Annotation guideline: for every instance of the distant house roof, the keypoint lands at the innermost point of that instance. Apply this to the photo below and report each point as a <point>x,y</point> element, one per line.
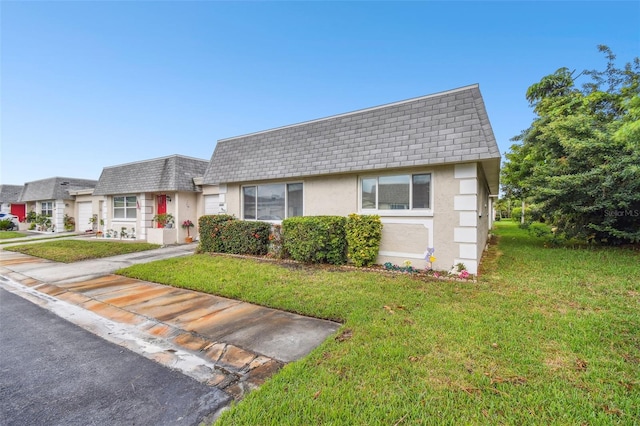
<point>10,193</point>
<point>447,127</point>
<point>55,188</point>
<point>173,173</point>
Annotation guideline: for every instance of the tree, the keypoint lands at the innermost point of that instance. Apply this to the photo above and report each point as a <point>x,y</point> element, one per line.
<point>580,159</point>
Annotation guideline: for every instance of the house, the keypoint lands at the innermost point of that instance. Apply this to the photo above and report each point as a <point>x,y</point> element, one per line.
<point>134,193</point>
<point>429,166</point>
<point>9,195</point>
<point>53,198</point>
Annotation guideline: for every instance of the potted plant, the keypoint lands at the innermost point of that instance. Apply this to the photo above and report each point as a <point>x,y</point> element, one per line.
<point>187,224</point>
<point>69,223</point>
<point>93,220</point>
<point>163,220</point>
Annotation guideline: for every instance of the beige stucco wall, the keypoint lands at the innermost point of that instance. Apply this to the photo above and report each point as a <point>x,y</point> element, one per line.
<point>183,206</point>
<point>453,226</point>
<point>144,213</point>
<point>484,213</point>
<point>444,220</point>
<point>210,190</point>
<point>230,197</point>
<point>186,208</point>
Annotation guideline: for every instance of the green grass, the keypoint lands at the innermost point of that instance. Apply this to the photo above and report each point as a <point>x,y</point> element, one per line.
<point>5,235</point>
<point>547,336</point>
<point>68,251</point>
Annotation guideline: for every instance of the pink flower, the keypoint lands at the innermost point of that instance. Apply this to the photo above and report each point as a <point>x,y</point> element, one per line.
<point>464,274</point>
<point>437,275</point>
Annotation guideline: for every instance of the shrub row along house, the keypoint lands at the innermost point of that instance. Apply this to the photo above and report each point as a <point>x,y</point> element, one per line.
<point>428,166</point>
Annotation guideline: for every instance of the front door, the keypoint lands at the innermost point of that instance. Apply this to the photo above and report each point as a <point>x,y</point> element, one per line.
<point>19,210</point>
<point>162,207</point>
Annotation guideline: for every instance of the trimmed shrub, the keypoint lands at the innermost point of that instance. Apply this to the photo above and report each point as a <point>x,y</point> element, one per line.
<point>223,233</point>
<point>210,228</point>
<point>363,238</point>
<point>245,237</point>
<point>316,239</point>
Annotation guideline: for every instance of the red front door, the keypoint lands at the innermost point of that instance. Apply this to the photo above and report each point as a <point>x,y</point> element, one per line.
<point>162,207</point>
<point>19,210</point>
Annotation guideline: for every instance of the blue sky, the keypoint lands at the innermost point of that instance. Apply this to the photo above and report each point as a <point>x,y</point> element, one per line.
<point>88,84</point>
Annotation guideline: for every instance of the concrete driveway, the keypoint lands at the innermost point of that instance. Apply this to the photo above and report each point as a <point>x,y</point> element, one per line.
<point>226,343</point>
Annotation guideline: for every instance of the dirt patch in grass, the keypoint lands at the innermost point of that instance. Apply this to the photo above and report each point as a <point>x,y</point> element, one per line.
<point>490,257</point>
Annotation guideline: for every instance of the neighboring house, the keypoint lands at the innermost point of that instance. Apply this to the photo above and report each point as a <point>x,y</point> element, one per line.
<point>428,166</point>
<point>9,195</point>
<point>53,197</point>
<point>135,192</point>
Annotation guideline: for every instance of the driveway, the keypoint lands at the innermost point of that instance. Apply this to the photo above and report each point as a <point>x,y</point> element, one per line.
<point>55,373</point>
<point>232,345</point>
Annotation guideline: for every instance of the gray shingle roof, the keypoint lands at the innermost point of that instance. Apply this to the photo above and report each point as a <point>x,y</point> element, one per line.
<point>447,127</point>
<point>55,188</point>
<point>173,173</point>
<point>10,193</point>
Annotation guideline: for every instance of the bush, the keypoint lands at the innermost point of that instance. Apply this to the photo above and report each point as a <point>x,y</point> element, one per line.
<point>5,224</point>
<point>225,234</point>
<point>516,214</point>
<point>363,238</point>
<point>244,237</point>
<point>316,239</point>
<point>210,228</point>
<point>69,223</point>
<point>539,230</point>
<point>31,217</point>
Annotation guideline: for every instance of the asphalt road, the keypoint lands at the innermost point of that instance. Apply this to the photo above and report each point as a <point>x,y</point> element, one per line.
<point>53,372</point>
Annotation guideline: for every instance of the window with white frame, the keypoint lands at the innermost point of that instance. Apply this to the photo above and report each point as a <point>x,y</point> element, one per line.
<point>124,207</point>
<point>396,192</point>
<point>274,201</point>
<point>46,208</point>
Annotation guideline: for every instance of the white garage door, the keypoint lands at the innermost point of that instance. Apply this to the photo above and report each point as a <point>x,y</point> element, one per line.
<point>211,204</point>
<point>84,214</point>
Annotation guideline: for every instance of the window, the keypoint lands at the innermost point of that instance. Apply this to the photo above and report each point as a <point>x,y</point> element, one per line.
<point>47,208</point>
<point>124,207</point>
<point>275,201</point>
<point>397,192</point>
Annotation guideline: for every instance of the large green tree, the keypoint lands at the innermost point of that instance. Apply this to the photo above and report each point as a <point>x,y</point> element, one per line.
<point>580,159</point>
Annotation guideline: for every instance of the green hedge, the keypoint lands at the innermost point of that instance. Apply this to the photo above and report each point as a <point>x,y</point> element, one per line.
<point>363,238</point>
<point>210,228</point>
<point>245,237</point>
<point>312,239</point>
<point>226,234</point>
<point>316,239</point>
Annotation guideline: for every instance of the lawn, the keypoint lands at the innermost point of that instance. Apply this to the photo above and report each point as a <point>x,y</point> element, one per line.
<point>546,336</point>
<point>68,251</point>
<point>5,235</point>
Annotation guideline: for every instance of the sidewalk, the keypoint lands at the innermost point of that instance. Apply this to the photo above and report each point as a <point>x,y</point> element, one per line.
<point>35,237</point>
<point>226,343</point>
